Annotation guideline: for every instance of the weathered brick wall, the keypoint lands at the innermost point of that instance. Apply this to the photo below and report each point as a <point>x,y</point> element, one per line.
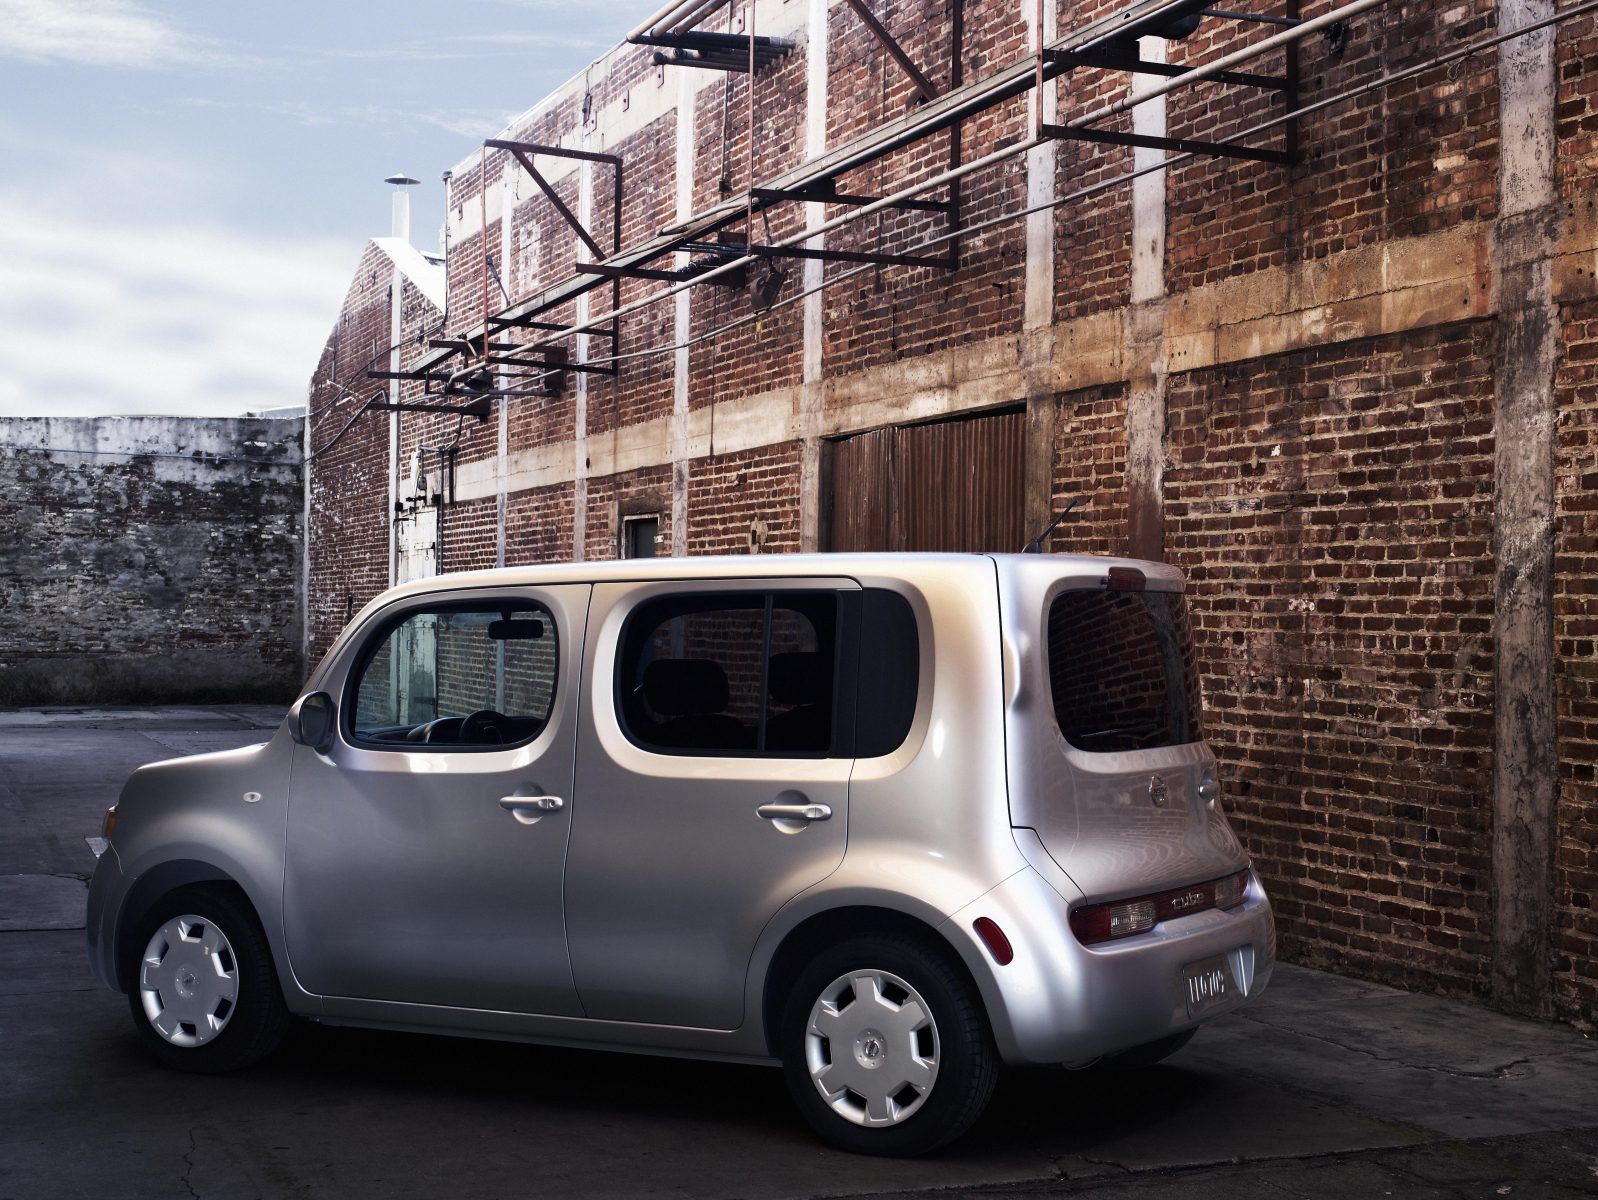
<point>1332,511</point>
<point>149,560</point>
<point>1576,565</point>
<point>349,518</point>
<point>1576,644</point>
<point>1301,389</point>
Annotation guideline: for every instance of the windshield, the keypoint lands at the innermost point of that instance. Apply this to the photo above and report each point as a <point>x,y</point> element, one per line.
<point>1121,669</point>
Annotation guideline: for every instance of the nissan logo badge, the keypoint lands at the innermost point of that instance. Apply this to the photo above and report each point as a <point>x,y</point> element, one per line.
<point>1158,792</point>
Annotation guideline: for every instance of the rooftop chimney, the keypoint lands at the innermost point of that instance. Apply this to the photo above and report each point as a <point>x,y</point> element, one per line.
<point>400,226</point>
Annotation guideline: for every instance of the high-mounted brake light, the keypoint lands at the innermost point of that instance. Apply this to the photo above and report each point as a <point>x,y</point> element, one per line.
<point>1095,923</point>
<point>1125,579</point>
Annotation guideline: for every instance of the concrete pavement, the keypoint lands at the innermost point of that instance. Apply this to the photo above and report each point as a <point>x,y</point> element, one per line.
<point>1327,1087</point>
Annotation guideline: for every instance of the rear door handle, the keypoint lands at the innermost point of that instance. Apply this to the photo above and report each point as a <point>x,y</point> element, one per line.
<point>528,809</point>
<point>794,812</point>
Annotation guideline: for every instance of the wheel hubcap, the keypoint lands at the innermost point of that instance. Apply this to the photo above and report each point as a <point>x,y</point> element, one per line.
<point>871,1048</point>
<point>188,981</point>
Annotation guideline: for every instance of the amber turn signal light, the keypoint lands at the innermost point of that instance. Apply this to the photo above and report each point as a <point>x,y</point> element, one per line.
<point>109,826</point>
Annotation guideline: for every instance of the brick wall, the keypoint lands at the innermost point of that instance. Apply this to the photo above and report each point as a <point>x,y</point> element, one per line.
<point>1331,509</point>
<point>149,560</point>
<point>1317,374</point>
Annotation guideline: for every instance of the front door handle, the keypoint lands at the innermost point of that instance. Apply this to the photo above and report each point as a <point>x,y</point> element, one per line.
<point>794,812</point>
<point>531,809</point>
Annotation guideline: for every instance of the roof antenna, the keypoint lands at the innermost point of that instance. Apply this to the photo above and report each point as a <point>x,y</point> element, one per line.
<point>1035,546</point>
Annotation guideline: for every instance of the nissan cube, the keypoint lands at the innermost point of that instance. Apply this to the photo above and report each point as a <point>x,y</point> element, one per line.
<point>887,821</point>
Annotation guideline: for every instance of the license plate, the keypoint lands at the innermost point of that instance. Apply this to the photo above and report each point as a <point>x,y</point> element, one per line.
<point>1208,985</point>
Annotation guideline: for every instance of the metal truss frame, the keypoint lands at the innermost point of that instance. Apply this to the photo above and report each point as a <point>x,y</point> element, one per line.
<point>1108,43</point>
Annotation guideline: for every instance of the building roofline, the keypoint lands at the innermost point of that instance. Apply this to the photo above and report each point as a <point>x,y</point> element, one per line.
<point>426,272</point>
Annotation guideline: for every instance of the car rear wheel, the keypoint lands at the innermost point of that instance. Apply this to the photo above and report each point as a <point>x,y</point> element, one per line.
<point>886,1048</point>
<point>205,997</point>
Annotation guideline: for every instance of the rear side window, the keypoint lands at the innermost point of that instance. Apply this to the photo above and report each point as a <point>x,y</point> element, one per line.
<point>890,672</point>
<point>1121,669</point>
<point>731,674</point>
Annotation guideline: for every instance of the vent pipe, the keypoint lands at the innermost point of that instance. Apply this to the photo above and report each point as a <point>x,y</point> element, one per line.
<point>400,223</point>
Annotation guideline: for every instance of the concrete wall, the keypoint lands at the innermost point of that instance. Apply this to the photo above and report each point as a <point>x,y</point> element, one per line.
<point>1352,398</point>
<point>149,559</point>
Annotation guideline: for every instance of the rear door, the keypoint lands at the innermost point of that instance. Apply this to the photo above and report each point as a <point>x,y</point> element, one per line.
<point>715,785</point>
<point>1118,754</point>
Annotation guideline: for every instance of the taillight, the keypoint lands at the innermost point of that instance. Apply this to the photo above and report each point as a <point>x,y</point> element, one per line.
<point>1095,923</point>
<point>1229,891</point>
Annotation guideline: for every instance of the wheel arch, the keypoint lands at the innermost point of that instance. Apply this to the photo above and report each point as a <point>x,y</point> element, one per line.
<point>806,939</point>
<point>149,890</point>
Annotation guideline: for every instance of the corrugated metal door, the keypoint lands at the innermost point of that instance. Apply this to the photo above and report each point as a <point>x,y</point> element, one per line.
<point>952,485</point>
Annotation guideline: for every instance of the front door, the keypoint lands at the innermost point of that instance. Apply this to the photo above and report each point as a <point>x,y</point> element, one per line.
<point>426,849</point>
<point>714,772</point>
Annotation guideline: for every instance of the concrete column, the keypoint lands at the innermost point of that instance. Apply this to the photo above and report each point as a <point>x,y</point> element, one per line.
<point>1037,326</point>
<point>306,470</point>
<point>507,209</point>
<point>1145,333</point>
<point>683,326</point>
<point>585,214</point>
<point>396,324</point>
<point>1525,752</point>
<point>812,390</point>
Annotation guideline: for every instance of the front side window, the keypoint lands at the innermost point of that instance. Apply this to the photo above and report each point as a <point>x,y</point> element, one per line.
<point>1122,671</point>
<point>458,677</point>
<point>735,674</point>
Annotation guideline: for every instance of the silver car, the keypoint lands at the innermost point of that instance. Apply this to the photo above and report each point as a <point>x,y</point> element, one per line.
<point>888,821</point>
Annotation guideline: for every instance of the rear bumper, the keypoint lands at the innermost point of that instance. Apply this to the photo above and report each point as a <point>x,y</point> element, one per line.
<point>1059,1001</point>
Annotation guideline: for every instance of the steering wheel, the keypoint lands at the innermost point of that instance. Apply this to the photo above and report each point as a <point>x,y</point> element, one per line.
<point>485,725</point>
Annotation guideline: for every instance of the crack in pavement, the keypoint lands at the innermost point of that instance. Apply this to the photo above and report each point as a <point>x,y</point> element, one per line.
<point>188,1166</point>
<point>1499,1072</point>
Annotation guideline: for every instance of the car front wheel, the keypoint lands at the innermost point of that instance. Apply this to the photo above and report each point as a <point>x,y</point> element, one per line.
<point>206,996</point>
<point>886,1048</point>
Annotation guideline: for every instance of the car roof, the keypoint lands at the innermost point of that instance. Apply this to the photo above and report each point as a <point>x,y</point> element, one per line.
<point>739,566</point>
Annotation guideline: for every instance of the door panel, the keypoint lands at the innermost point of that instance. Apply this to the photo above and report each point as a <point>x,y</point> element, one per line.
<point>407,878</point>
<point>672,871</point>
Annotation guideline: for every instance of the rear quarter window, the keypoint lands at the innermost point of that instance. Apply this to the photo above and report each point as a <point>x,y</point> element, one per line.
<point>1122,671</point>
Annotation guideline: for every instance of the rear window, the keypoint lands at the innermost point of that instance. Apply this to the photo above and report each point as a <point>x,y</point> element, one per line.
<point>1121,669</point>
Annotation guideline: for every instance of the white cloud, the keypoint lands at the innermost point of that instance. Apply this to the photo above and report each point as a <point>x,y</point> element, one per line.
<point>97,33</point>
<point>162,319</point>
<point>466,122</point>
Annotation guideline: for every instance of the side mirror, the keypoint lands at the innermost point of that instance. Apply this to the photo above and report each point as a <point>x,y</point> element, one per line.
<point>312,721</point>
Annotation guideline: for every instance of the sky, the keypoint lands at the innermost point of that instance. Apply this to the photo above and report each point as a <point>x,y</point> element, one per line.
<point>187,187</point>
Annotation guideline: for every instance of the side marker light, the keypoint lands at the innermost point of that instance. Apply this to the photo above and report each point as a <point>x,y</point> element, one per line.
<point>993,938</point>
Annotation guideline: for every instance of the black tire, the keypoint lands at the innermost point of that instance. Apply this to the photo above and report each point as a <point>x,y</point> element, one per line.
<point>1147,1055</point>
<point>258,1019</point>
<point>968,1063</point>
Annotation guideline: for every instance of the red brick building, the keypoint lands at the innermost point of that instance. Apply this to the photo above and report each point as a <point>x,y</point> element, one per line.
<point>1349,386</point>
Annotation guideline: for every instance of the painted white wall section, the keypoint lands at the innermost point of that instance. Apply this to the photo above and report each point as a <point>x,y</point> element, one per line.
<point>810,393</point>
<point>1148,192</point>
<point>684,315</point>
<point>507,187</point>
<point>1040,170</point>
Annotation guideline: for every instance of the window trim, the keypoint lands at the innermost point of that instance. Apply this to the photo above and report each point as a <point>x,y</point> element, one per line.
<point>378,637</point>
<point>844,668</point>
